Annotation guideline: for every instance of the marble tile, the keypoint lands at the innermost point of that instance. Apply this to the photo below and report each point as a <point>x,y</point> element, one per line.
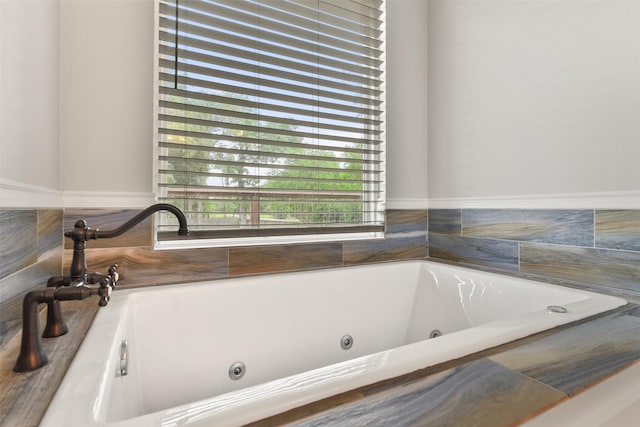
<point>280,258</point>
<point>18,240</point>
<point>406,223</point>
<point>569,227</point>
<point>633,311</point>
<point>445,221</point>
<point>618,229</point>
<point>571,359</point>
<point>479,394</point>
<point>390,249</point>
<point>110,219</point>
<point>14,287</point>
<point>24,396</point>
<point>501,254</point>
<point>49,230</point>
<point>611,268</point>
<point>143,266</point>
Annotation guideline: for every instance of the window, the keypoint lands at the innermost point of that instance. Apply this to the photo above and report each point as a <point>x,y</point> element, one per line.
<point>270,117</point>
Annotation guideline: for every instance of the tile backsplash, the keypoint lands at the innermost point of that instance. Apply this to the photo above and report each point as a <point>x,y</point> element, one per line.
<point>30,253</point>
<point>140,265</point>
<point>595,247</point>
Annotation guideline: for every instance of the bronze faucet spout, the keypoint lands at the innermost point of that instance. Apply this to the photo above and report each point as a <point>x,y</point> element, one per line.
<point>183,230</point>
<point>56,325</point>
<point>31,354</point>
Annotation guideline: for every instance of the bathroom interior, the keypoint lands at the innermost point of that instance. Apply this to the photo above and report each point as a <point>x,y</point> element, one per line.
<point>512,145</point>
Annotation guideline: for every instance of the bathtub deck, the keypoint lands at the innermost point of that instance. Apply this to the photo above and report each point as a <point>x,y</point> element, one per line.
<point>25,396</point>
<point>499,387</point>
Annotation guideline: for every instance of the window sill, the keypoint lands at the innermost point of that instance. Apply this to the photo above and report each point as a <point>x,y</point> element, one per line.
<point>262,241</point>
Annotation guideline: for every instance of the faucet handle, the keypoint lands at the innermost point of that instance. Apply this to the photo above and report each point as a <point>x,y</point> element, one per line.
<point>104,291</point>
<point>114,275</point>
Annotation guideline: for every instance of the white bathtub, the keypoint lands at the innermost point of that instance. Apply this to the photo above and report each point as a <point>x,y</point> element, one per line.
<point>287,329</point>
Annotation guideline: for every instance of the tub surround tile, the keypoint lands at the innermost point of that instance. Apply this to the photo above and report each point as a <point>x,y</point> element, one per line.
<point>14,287</point>
<point>31,252</point>
<point>569,227</point>
<point>406,223</point>
<point>390,249</point>
<point>596,248</point>
<point>577,357</point>
<point>633,311</point>
<point>49,230</point>
<point>445,221</point>
<point>502,254</point>
<point>405,238</point>
<point>18,240</point>
<point>26,395</point>
<point>144,266</point>
<point>618,229</point>
<point>486,238</point>
<point>281,258</point>
<point>110,219</point>
<point>610,268</point>
<point>480,393</point>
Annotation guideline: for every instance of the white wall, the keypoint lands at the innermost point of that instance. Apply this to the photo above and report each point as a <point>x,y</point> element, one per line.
<point>533,98</point>
<point>29,97</point>
<point>406,111</point>
<point>106,82</point>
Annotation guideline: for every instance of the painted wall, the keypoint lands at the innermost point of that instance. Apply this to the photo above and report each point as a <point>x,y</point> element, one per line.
<point>29,74</point>
<point>407,119</point>
<point>526,98</point>
<point>533,97</point>
<point>106,85</point>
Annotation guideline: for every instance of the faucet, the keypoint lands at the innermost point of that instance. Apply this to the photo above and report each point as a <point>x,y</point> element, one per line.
<point>74,287</point>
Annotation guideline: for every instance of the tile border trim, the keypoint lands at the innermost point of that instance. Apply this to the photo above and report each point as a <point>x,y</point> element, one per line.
<point>594,200</point>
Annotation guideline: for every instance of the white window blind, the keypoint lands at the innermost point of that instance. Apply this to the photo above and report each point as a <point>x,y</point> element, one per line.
<point>270,116</point>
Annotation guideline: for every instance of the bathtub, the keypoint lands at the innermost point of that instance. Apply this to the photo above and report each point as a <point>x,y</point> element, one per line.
<point>229,352</point>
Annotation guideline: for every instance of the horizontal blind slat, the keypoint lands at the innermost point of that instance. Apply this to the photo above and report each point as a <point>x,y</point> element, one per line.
<point>348,83</point>
<point>302,183</point>
<point>278,143</point>
<point>247,103</point>
<point>366,110</point>
<point>257,119</point>
<point>293,19</point>
<point>271,167</point>
<point>342,150</point>
<point>255,38</point>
